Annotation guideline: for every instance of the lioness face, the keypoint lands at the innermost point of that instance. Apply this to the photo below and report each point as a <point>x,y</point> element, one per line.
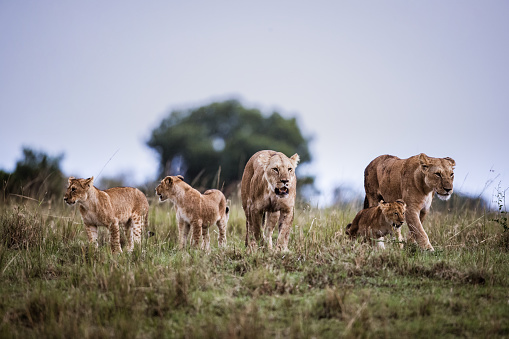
<point>77,190</point>
<point>280,173</point>
<point>394,212</point>
<point>166,189</point>
<point>439,175</point>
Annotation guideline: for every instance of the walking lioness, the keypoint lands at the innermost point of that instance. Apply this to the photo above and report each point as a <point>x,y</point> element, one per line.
<point>414,180</point>
<point>116,206</point>
<point>196,212</point>
<point>269,187</point>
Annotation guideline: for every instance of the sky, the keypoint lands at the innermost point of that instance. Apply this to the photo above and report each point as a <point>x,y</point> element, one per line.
<point>91,79</point>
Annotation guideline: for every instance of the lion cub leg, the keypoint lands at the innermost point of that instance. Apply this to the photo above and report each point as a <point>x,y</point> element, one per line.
<point>133,231</point>
<point>92,234</point>
<point>184,228</point>
<point>196,229</point>
<point>205,244</point>
<point>115,237</point>
<point>221,225</point>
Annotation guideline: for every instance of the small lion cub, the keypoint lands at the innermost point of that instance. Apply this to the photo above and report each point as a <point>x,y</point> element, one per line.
<point>195,211</point>
<point>377,221</point>
<point>116,206</point>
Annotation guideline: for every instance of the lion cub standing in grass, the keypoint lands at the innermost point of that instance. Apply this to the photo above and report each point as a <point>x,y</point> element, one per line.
<point>116,206</point>
<point>378,221</point>
<point>195,211</point>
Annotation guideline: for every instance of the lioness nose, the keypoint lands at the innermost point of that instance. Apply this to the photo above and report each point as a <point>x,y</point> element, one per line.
<point>284,181</point>
<point>447,190</point>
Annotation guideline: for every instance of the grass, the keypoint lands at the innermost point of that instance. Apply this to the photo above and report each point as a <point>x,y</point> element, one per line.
<point>52,284</point>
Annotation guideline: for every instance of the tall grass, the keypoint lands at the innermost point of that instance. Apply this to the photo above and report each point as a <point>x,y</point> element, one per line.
<point>54,285</point>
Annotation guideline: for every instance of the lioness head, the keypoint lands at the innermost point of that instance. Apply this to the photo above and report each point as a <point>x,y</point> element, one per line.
<point>77,190</point>
<point>279,171</point>
<point>394,212</point>
<point>438,174</point>
<point>166,189</point>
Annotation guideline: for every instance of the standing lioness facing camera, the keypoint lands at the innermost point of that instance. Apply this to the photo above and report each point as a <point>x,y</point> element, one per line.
<point>116,206</point>
<point>268,190</point>
<point>196,212</point>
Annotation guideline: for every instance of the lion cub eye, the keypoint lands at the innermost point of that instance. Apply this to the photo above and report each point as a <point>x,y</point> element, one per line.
<point>290,169</point>
<point>275,169</point>
<point>438,174</point>
<point>73,189</point>
<point>452,175</point>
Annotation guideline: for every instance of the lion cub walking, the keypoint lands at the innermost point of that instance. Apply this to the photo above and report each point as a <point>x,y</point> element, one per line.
<point>378,221</point>
<point>116,206</point>
<point>195,211</point>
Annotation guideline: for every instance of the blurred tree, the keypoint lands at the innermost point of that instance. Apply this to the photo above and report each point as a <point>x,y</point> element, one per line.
<point>37,176</point>
<point>218,140</point>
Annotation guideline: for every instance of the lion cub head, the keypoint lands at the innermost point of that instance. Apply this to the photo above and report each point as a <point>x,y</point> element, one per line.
<point>77,190</point>
<point>393,212</point>
<point>167,188</point>
<point>279,171</point>
<point>438,174</point>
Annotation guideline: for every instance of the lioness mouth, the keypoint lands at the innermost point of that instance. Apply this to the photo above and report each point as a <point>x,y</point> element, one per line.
<point>396,225</point>
<point>281,191</point>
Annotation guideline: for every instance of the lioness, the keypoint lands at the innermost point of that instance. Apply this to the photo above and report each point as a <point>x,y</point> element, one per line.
<point>116,206</point>
<point>378,221</point>
<point>195,211</point>
<point>268,191</point>
<point>414,180</point>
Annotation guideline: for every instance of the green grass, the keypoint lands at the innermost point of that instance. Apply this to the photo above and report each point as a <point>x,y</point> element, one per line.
<point>52,284</point>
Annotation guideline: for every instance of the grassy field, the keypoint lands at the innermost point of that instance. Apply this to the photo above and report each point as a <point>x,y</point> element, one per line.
<point>52,284</point>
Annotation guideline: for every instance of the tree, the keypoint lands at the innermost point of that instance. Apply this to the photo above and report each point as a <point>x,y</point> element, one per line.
<point>37,175</point>
<point>217,140</point>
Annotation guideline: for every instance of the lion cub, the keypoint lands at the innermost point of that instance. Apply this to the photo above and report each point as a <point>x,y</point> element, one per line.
<point>195,211</point>
<point>378,221</point>
<point>116,206</point>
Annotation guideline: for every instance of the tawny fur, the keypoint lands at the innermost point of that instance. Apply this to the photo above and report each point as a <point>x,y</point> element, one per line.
<point>196,212</point>
<point>111,208</point>
<point>268,190</point>
<point>378,221</point>
<point>414,180</point>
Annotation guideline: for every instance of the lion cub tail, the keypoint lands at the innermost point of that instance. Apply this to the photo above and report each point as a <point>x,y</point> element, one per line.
<point>351,231</point>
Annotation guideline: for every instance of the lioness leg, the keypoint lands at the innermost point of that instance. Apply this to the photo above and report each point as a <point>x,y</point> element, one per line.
<point>416,231</point>
<point>92,234</point>
<point>115,237</point>
<point>272,220</point>
<point>285,226</point>
<point>253,235</point>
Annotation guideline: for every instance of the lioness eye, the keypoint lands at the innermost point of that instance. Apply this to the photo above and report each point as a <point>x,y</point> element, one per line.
<point>438,174</point>
<point>290,170</point>
<point>452,175</point>
<point>275,170</point>
<point>73,189</point>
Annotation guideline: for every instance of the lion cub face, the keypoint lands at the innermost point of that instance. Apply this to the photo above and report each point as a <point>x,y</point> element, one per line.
<point>393,212</point>
<point>439,174</point>
<point>77,190</point>
<point>280,173</point>
<point>166,189</point>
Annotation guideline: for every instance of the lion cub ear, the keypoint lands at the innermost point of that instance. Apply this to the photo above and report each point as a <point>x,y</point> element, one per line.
<point>295,160</point>
<point>180,177</point>
<point>401,202</point>
<point>425,161</point>
<point>168,180</point>
<point>70,180</point>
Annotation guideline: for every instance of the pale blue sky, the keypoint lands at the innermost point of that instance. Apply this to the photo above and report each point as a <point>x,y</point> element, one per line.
<point>365,78</point>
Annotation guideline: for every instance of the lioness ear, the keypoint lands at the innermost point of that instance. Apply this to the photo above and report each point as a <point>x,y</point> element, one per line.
<point>424,160</point>
<point>89,182</point>
<point>180,177</point>
<point>453,163</point>
<point>168,180</point>
<point>70,179</point>
<point>264,160</point>
<point>295,160</point>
